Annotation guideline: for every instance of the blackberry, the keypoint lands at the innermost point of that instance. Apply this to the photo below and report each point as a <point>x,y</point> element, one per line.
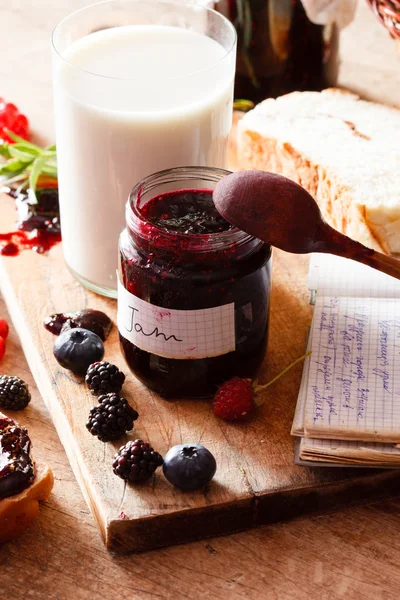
<point>14,393</point>
<point>111,418</point>
<point>136,461</point>
<point>104,378</point>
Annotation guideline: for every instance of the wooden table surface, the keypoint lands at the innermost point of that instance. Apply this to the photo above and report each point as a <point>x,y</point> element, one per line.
<point>352,554</point>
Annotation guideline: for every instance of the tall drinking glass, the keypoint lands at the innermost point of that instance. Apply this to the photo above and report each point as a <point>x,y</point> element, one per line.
<point>139,86</point>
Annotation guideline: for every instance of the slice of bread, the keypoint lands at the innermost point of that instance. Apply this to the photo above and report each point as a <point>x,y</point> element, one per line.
<point>18,512</point>
<point>343,150</point>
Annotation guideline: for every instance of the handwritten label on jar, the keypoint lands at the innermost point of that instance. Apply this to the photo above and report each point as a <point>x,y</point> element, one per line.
<point>173,333</point>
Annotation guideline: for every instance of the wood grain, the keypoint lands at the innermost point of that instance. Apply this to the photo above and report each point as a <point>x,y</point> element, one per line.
<point>256,480</point>
<point>351,555</point>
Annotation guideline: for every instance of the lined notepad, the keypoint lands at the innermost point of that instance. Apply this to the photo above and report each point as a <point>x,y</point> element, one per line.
<point>348,408</point>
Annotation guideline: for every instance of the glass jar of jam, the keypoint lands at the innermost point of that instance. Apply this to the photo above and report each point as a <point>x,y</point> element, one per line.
<point>193,294</point>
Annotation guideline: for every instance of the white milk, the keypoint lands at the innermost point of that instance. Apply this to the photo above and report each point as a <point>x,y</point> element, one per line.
<point>131,101</point>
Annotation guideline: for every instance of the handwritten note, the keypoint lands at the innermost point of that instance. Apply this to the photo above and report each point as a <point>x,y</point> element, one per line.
<point>353,386</point>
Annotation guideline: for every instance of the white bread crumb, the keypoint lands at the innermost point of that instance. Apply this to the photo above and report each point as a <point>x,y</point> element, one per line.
<point>343,150</point>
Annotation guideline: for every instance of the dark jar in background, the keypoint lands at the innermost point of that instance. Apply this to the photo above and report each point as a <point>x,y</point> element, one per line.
<point>279,49</point>
<point>192,308</point>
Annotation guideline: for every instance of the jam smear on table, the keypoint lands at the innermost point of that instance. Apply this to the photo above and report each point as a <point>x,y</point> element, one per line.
<point>38,226</point>
<point>88,318</point>
<point>175,264</point>
<point>16,466</point>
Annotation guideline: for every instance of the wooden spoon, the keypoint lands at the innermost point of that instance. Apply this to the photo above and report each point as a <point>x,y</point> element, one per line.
<point>281,213</point>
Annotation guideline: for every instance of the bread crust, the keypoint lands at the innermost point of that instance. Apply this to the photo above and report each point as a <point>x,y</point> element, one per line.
<point>18,512</point>
<point>256,151</point>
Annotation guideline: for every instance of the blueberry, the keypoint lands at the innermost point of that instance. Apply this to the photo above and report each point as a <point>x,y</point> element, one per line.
<point>189,466</point>
<point>76,349</point>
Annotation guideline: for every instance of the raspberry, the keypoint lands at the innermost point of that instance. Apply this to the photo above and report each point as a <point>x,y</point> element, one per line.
<point>3,329</point>
<point>20,126</point>
<point>11,112</point>
<point>234,399</point>
<point>2,347</point>
<point>237,397</point>
<point>11,118</point>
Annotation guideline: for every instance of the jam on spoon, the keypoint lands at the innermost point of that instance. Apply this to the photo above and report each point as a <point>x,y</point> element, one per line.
<point>16,466</point>
<point>281,213</point>
<point>88,318</point>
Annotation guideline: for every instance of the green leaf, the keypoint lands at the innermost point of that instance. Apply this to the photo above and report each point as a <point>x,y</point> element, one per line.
<point>243,105</point>
<point>52,162</point>
<point>48,155</point>
<point>27,147</point>
<point>12,178</point>
<point>50,170</point>
<point>27,161</point>
<point>25,157</point>
<point>11,174</point>
<point>11,166</point>
<point>4,151</point>
<point>37,168</point>
<point>21,140</point>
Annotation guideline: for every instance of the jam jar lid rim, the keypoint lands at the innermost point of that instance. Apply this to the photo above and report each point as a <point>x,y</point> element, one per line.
<point>214,241</point>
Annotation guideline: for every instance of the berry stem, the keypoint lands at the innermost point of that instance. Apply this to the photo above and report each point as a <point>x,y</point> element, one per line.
<point>260,388</point>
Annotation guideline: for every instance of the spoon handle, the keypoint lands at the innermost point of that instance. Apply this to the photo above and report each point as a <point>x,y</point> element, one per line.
<point>334,242</point>
<point>381,262</point>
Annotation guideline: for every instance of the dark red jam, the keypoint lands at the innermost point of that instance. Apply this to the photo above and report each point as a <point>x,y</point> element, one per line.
<point>11,244</point>
<point>185,211</point>
<point>38,226</point>
<point>179,253</point>
<point>87,318</point>
<point>16,466</point>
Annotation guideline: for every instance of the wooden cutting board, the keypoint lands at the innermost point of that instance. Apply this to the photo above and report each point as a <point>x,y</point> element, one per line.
<point>256,481</point>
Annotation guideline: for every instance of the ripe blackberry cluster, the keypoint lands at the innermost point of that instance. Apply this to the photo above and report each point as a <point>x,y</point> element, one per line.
<point>104,378</point>
<point>111,418</point>
<point>14,393</point>
<point>136,461</point>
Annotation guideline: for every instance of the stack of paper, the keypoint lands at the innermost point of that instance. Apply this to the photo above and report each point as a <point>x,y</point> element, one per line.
<point>348,409</point>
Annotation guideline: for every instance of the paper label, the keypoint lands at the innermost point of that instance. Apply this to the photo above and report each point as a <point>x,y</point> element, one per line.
<point>170,333</point>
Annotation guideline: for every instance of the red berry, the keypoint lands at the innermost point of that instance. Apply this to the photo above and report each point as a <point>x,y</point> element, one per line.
<point>20,126</point>
<point>21,122</point>
<point>234,399</point>
<point>4,329</point>
<point>12,113</point>
<point>10,118</point>
<point>2,347</point>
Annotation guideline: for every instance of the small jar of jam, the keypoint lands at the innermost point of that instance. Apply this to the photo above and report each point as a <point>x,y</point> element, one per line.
<point>193,294</point>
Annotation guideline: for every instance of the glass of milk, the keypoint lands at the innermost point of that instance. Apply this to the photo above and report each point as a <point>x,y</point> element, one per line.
<point>139,86</point>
